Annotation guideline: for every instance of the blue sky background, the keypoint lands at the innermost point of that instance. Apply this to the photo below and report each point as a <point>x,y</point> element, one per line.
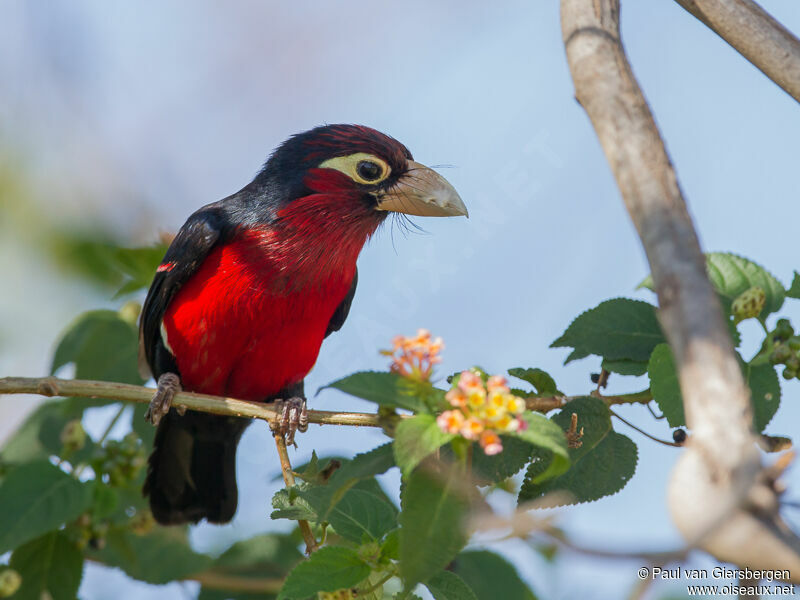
<point>132,115</point>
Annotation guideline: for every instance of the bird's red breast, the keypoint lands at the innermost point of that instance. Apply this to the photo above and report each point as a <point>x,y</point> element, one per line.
<point>252,318</point>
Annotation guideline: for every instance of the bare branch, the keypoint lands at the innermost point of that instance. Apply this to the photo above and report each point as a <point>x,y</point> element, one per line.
<point>720,468</point>
<point>53,386</point>
<point>754,34</point>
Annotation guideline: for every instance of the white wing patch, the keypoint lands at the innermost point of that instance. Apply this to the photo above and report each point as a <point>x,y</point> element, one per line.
<point>164,339</point>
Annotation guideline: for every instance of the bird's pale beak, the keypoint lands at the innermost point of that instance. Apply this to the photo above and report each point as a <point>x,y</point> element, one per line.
<point>422,191</point>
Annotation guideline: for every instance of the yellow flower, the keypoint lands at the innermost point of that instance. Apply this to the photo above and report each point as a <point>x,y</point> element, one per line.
<point>414,357</point>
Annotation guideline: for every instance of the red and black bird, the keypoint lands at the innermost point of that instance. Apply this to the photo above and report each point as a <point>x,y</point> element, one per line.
<point>250,287</point>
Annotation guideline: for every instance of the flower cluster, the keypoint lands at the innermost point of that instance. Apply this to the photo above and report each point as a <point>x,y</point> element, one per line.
<point>414,357</point>
<point>482,411</point>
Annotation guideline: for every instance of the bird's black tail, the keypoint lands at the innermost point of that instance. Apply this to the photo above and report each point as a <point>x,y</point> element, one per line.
<point>192,470</point>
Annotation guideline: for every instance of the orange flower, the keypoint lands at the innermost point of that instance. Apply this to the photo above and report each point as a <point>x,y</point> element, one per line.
<point>490,442</point>
<point>414,357</point>
<point>450,421</point>
<point>472,428</point>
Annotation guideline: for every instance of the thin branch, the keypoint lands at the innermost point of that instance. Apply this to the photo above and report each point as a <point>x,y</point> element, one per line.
<point>715,476</point>
<point>52,386</point>
<point>236,583</point>
<point>754,34</point>
<point>288,479</point>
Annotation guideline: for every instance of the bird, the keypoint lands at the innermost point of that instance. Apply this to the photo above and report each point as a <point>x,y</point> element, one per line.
<point>249,288</point>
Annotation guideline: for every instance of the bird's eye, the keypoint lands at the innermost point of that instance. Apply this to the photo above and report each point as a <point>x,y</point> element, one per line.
<point>369,170</point>
<point>363,168</point>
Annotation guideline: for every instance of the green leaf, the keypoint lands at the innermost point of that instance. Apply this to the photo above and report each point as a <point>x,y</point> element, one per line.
<point>319,500</point>
<point>416,438</point>
<point>765,393</point>
<point>587,474</point>
<point>664,385</point>
<point>432,523</point>
<point>446,585</point>
<point>51,566</point>
<point>384,389</point>
<point>328,569</point>
<point>138,265</point>
<point>88,342</point>
<point>602,471</point>
<point>625,366</point>
<point>161,556</point>
<point>290,504</point>
<point>794,289</point>
<point>491,577</point>
<point>361,516</point>
<point>498,467</point>
<point>265,555</point>
<point>39,437</point>
<point>731,275</point>
<point>765,389</point>
<point>105,500</point>
<point>616,329</point>
<point>541,381</point>
<point>545,434</point>
<point>36,498</point>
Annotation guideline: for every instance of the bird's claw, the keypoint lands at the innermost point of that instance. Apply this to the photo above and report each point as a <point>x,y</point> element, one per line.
<point>169,384</point>
<point>292,417</point>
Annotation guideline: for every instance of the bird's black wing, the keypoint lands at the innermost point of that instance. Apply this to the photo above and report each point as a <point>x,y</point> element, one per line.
<point>201,232</point>
<point>340,316</point>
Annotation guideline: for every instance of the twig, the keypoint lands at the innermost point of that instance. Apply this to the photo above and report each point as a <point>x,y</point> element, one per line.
<point>288,479</point>
<point>645,434</point>
<point>720,467</point>
<point>754,34</point>
<point>53,386</point>
<point>236,583</point>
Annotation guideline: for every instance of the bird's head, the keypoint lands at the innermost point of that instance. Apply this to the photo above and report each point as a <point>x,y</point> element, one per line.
<point>348,171</point>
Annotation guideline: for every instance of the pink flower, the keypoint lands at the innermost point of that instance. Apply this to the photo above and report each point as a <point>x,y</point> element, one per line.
<point>450,421</point>
<point>490,442</point>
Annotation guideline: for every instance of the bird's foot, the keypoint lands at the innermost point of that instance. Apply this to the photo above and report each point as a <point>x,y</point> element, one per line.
<point>292,417</point>
<point>169,384</point>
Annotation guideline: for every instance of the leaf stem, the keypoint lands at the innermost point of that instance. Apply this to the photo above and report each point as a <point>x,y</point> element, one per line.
<point>288,479</point>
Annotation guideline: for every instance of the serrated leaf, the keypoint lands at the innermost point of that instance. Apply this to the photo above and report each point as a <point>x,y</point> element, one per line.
<point>664,385</point>
<point>319,500</point>
<point>51,566</point>
<point>416,438</point>
<point>765,389</point>
<point>491,577</point>
<point>446,585</point>
<point>498,467</point>
<point>765,393</point>
<point>616,329</point>
<point>794,289</point>
<point>546,436</point>
<point>87,342</point>
<point>36,498</point>
<point>432,523</point>
<point>602,471</point>
<point>541,381</point>
<point>161,556</point>
<point>384,389</point>
<point>595,420</point>
<point>731,275</point>
<point>328,569</point>
<point>290,504</point>
<point>625,367</point>
<point>361,516</point>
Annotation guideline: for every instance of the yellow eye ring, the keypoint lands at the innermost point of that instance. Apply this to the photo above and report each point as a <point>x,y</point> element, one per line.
<point>361,167</point>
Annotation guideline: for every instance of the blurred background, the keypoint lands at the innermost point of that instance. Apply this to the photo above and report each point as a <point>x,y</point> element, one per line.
<point>117,120</point>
